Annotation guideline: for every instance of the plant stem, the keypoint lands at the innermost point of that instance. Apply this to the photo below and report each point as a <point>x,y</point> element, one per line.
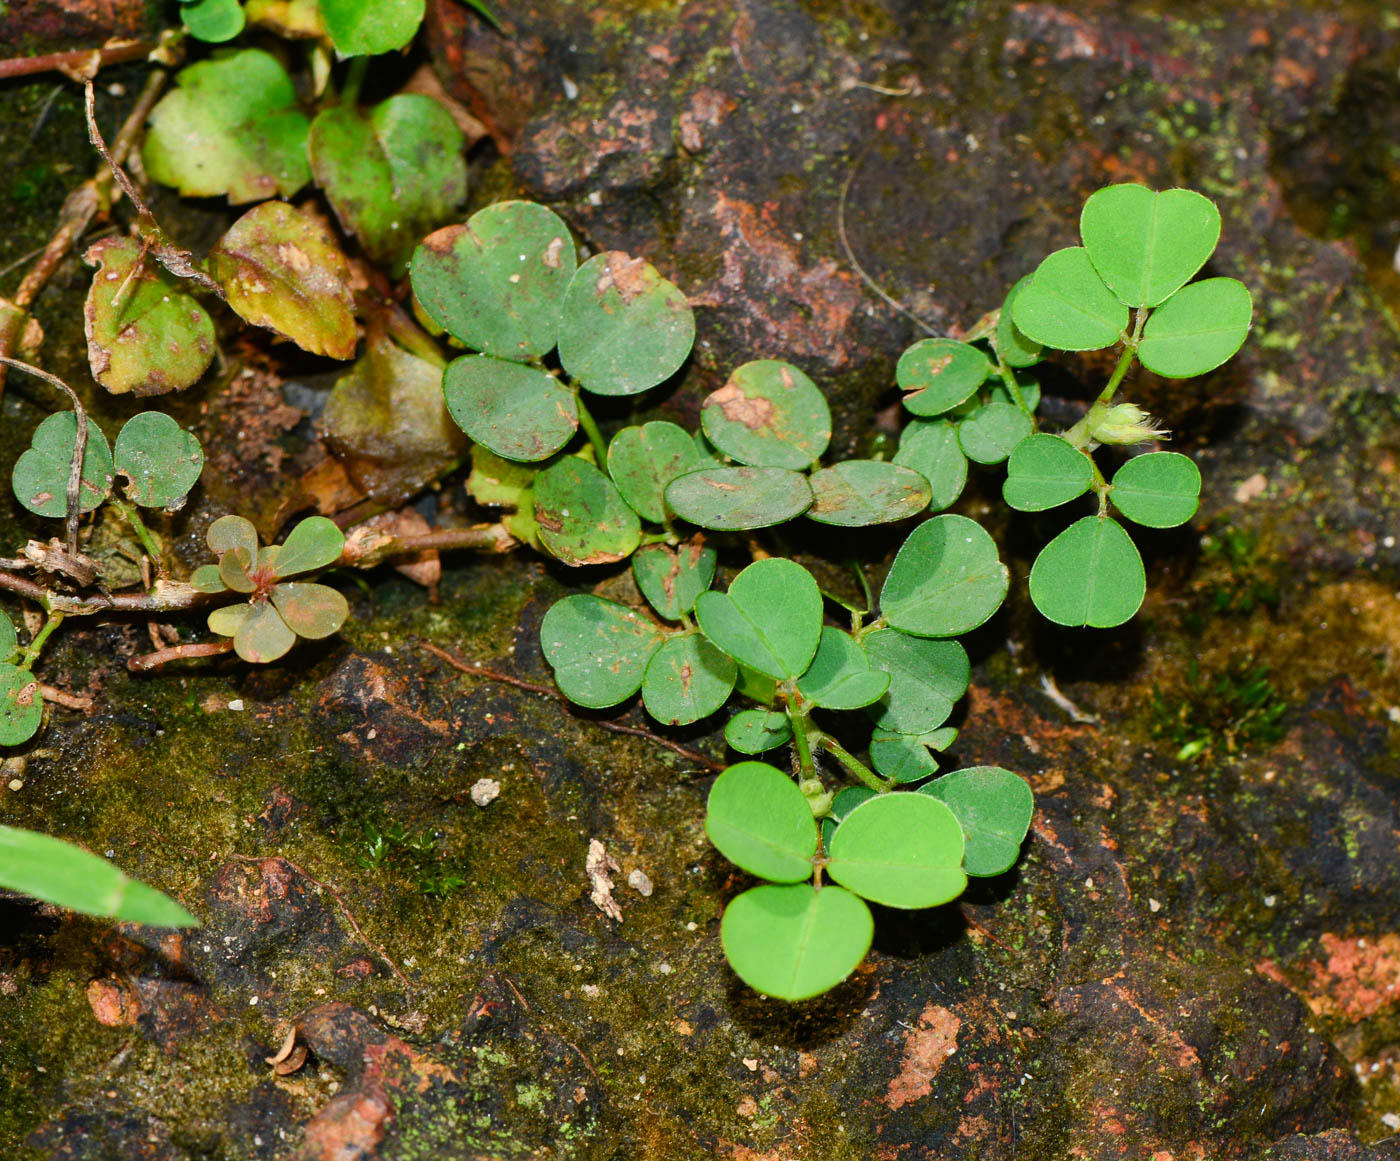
<point>1125,360</point>
<point>854,764</point>
<point>595,437</point>
<point>130,515</point>
<point>1008,376</point>
<point>78,61</point>
<point>354,78</point>
<point>799,720</point>
<point>55,619</point>
<point>179,653</point>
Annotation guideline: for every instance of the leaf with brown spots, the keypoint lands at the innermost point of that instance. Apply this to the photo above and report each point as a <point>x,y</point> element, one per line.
<point>582,517</point>
<point>769,415</point>
<point>281,269</point>
<point>687,679</point>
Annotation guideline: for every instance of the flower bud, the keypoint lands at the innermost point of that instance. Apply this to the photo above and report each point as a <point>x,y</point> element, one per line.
<point>1123,423</point>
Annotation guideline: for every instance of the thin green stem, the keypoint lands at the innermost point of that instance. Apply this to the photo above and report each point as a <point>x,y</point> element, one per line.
<point>853,764</point>
<point>354,78</point>
<point>1125,360</point>
<point>799,721</point>
<point>55,619</point>
<point>590,429</point>
<point>148,542</point>
<point>1008,376</point>
<point>854,566</point>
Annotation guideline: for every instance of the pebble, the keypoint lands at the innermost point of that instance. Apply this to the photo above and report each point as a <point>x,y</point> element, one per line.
<point>485,791</point>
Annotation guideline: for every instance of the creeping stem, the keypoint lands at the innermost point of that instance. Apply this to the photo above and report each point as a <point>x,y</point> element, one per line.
<point>854,764</point>
<point>590,429</point>
<point>799,721</point>
<point>55,619</point>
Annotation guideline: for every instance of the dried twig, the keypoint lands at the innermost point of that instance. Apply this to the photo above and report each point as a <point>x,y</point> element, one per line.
<point>73,701</point>
<point>80,62</point>
<point>545,691</point>
<point>148,661</point>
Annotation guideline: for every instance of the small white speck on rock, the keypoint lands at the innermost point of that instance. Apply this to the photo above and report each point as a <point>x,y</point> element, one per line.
<point>639,882</point>
<point>485,791</point>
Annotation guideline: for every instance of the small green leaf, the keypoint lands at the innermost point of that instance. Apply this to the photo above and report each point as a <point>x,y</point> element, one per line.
<point>262,635</point>
<point>21,703</point>
<point>1045,471</point>
<point>672,578</point>
<point>768,415</point>
<point>497,283</point>
<point>994,808</point>
<point>931,448</point>
<point>793,942</point>
<point>902,757</point>
<point>599,649</point>
<point>233,572</point>
<point>206,579</point>
<point>160,459</point>
<point>945,580</point>
<point>758,819</point>
<point>281,269</point>
<point>144,334</point>
<point>734,499</point>
<point>752,731</point>
<point>894,850</point>
<point>582,517</point>
<point>756,686</point>
<point>519,412</point>
<point>687,679</point>
<point>391,174</point>
<point>1067,305</point>
<point>1015,349</point>
<point>1159,489</point>
<point>65,875</point>
<point>840,676</point>
<point>9,639</point>
<point>643,459</point>
<point>1090,574</point>
<point>213,21</point>
<point>231,532</point>
<point>847,799</point>
<point>227,620</point>
<point>926,680</point>
<point>990,433</point>
<point>232,126</point>
<point>1146,246</point>
<point>855,493</point>
<point>314,543</point>
<point>1197,329</point>
<point>938,374</point>
<point>367,27</point>
<point>623,328</point>
<point>312,611</point>
<point>40,478</point>
<point>496,482</point>
<point>770,619</point>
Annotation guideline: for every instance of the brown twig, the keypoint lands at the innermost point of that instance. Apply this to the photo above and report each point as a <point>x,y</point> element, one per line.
<point>148,661</point>
<point>73,701</point>
<point>165,597</point>
<point>372,549</point>
<point>344,910</point>
<point>972,923</point>
<point>545,691</point>
<point>81,62</point>
<point>75,470</point>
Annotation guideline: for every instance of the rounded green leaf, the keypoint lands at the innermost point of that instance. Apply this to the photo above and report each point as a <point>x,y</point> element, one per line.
<point>1067,305</point>
<point>794,942</point>
<point>1197,329</point>
<point>758,819</point>
<point>687,679</point>
<point>643,459</point>
<point>227,620</point>
<point>770,619</point>
<point>931,448</point>
<point>1090,574</point>
<point>582,517</point>
<point>1015,349</point>
<point>366,27</point>
<point>213,21</point>
<point>1045,471</point>
<point>262,635</point>
<point>9,639</point>
<point>232,126</point>
<point>1146,246</point>
<point>855,493</point>
<point>234,567</point>
<point>945,580</point>
<point>160,459</point>
<point>65,875</point>
<point>623,328</point>
<point>895,850</point>
<point>40,477</point>
<point>599,649</point>
<point>281,269</point>
<point>840,676</point>
<point>519,412</point>
<point>768,415</point>
<point>672,579</point>
<point>926,679</point>
<point>752,731</point>
<point>990,433</point>
<point>733,499</point>
<point>1159,489</point>
<point>497,283</point>
<point>994,808</point>
<point>21,703</point>
<point>144,333</point>
<point>312,611</point>
<point>230,532</point>
<point>206,579</point>
<point>314,543</point>
<point>902,757</point>
<point>938,374</point>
